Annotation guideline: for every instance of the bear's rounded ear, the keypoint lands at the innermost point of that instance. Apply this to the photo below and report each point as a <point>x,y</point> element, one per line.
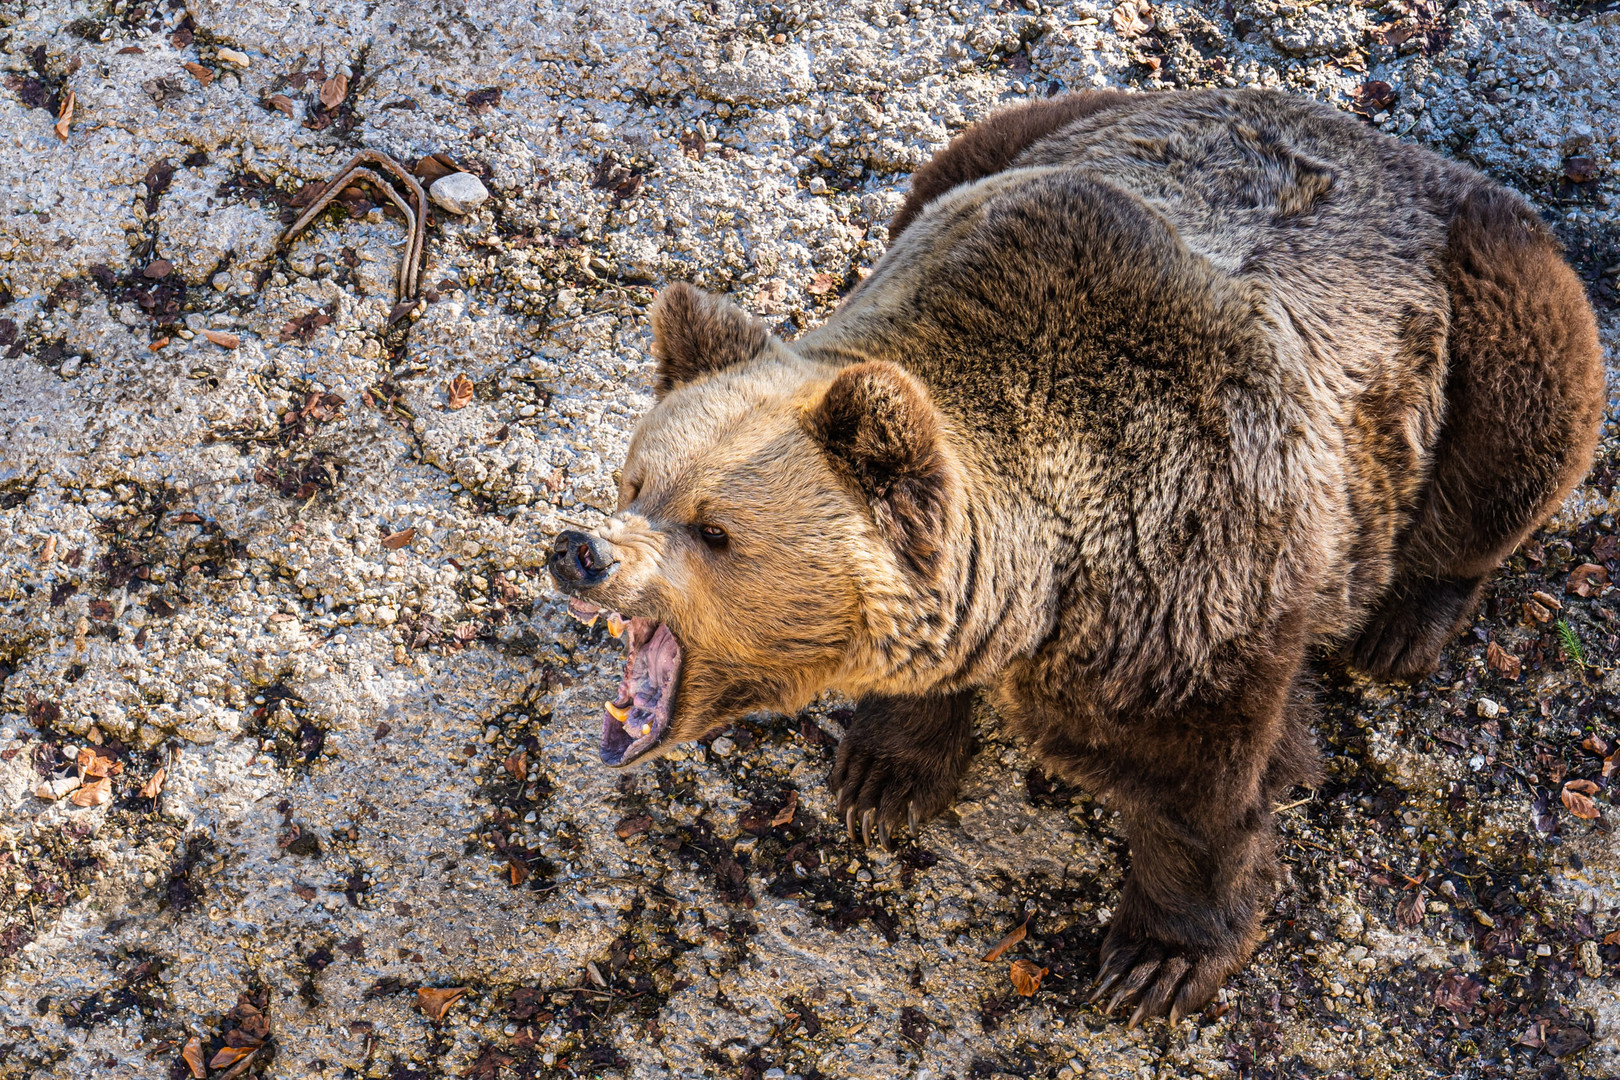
<point>880,431</point>
<point>695,332</point>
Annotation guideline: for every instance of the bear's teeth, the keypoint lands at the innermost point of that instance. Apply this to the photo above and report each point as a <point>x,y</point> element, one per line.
<point>616,624</point>
<point>620,713</point>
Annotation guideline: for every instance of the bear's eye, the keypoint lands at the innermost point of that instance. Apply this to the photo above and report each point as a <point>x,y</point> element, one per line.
<point>714,536</point>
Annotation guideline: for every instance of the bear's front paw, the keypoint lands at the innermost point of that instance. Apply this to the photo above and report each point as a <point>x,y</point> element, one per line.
<point>887,778</point>
<point>1163,977</point>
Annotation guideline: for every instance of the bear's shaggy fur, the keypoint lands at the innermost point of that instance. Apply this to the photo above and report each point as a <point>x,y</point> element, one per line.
<point>1151,395</point>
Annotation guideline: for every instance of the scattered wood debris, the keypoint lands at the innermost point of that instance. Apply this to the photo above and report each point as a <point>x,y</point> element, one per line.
<point>397,540</point>
<point>415,213</point>
<point>1013,937</point>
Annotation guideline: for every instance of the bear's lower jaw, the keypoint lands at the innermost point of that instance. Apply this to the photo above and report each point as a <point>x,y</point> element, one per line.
<point>636,720</point>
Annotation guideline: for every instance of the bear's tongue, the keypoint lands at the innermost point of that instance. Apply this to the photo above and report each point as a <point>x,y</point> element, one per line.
<point>635,722</point>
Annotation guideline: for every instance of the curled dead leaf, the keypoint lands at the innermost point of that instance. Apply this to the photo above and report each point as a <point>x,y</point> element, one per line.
<point>395,541</point>
<point>198,72</point>
<point>282,104</point>
<point>1013,937</point>
<point>334,90</point>
<point>1502,661</point>
<point>436,1001</point>
<point>1412,907</point>
<point>518,764</point>
<point>1027,976</point>
<point>64,115</point>
<point>229,1055</point>
<point>1575,797</point>
<point>154,787</point>
<point>192,1056</point>
<point>1587,579</point>
<point>1133,18</point>
<point>222,339</point>
<point>784,816</point>
<point>98,763</point>
<point>820,285</point>
<point>460,392</point>
<point>97,793</point>
<point>634,825</point>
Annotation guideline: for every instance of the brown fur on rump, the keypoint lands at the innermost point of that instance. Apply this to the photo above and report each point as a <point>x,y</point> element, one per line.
<point>1152,395</point>
<point>990,147</point>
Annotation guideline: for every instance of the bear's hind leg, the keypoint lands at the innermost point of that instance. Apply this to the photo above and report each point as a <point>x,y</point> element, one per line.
<point>900,761</point>
<point>1524,400</point>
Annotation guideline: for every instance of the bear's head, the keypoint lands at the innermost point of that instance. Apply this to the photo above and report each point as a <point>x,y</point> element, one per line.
<point>779,520</point>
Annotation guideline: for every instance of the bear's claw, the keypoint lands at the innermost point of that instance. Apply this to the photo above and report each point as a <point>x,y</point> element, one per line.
<point>1163,979</point>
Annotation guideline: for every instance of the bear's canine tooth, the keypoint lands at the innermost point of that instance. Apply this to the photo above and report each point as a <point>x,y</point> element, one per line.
<point>616,623</point>
<point>620,713</point>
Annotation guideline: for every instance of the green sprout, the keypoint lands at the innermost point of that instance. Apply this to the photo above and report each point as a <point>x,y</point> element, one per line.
<point>1571,643</point>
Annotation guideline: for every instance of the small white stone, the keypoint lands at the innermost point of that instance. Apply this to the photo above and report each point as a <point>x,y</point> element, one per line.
<point>231,56</point>
<point>220,281</point>
<point>723,746</point>
<point>1487,708</point>
<point>459,193</point>
<point>70,366</point>
<point>386,616</point>
<point>70,752</point>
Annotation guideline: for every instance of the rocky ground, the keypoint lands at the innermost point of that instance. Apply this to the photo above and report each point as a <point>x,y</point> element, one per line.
<point>270,570</point>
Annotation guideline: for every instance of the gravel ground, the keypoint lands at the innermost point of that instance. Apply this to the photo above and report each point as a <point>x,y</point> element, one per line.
<point>354,765</point>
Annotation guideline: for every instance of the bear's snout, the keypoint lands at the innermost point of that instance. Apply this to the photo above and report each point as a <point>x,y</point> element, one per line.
<point>580,561</point>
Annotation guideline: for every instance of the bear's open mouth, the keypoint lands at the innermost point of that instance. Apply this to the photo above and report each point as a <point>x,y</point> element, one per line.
<point>636,719</point>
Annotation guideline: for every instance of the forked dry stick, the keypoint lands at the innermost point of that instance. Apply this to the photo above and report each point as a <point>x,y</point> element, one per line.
<point>415,222</point>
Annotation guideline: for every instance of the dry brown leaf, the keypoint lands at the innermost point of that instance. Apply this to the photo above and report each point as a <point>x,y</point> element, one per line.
<point>334,90</point>
<point>1027,976</point>
<point>1610,764</point>
<point>160,343</point>
<point>306,892</point>
<point>395,541</point>
<point>518,764</point>
<point>1013,937</point>
<point>222,339</point>
<point>64,115</point>
<point>1586,579</point>
<point>1596,744</point>
<point>200,73</point>
<point>1547,599</point>
<point>154,787</point>
<point>239,1068</point>
<point>1536,613</point>
<point>784,816</point>
<point>1585,787</point>
<point>435,1002</point>
<point>192,1056</point>
<point>1612,937</point>
<point>1133,18</point>
<point>229,1055</point>
<point>1574,798</point>
<point>99,792</point>
<point>283,104</point>
<point>634,825</point>
<point>1503,661</point>
<point>97,765</point>
<point>820,285</point>
<point>49,551</point>
<point>1412,908</point>
<point>460,391</point>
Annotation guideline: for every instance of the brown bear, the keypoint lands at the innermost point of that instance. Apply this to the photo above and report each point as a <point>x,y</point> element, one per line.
<point>1150,396</point>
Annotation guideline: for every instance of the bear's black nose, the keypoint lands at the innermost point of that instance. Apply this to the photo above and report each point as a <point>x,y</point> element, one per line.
<point>579,560</point>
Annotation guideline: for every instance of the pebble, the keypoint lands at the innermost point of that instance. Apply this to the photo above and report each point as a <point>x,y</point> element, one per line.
<point>723,746</point>
<point>70,366</point>
<point>459,193</point>
<point>1487,708</point>
<point>231,56</point>
<point>386,615</point>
